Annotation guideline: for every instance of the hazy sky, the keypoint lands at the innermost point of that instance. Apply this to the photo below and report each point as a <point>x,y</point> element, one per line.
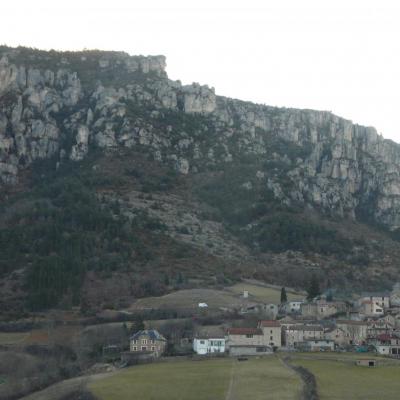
<point>342,56</point>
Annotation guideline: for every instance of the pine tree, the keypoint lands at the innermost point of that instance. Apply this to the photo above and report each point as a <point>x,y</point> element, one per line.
<point>313,289</point>
<point>283,295</point>
<point>138,324</point>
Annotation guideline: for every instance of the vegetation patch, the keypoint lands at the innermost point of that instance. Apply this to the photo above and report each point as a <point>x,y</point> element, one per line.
<point>345,380</point>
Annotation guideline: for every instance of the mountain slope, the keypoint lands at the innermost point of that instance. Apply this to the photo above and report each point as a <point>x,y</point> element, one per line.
<point>112,171</point>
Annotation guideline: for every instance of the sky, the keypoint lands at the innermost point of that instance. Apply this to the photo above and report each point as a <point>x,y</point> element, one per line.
<point>340,56</point>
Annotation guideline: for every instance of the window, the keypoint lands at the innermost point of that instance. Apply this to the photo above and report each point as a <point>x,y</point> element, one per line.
<point>152,348</point>
<point>144,341</point>
<point>202,341</point>
<point>270,331</point>
<point>249,336</point>
<point>271,338</point>
<point>144,348</point>
<point>134,348</point>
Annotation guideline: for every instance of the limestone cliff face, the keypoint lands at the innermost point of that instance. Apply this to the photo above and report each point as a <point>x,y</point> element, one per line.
<point>108,100</point>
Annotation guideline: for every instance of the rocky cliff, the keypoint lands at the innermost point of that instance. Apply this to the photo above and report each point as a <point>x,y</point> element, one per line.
<point>60,105</point>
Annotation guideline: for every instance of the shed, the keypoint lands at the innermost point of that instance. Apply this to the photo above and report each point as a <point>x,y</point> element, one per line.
<point>366,363</point>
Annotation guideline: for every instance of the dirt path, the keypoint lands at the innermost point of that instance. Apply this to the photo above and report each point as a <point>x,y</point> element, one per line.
<point>229,393</point>
<point>309,382</point>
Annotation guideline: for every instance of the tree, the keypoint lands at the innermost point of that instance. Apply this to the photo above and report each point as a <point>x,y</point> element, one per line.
<point>283,295</point>
<point>313,288</point>
<point>138,324</point>
<point>179,278</point>
<point>329,292</point>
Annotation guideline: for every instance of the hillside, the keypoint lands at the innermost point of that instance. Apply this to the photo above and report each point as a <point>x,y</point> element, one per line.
<point>118,183</point>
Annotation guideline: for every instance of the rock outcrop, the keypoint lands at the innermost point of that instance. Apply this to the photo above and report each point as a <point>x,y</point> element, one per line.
<point>106,100</point>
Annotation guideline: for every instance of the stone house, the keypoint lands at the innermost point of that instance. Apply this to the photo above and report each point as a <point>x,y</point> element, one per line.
<point>148,340</point>
<point>338,335</point>
<point>355,331</point>
<point>299,333</point>
<point>371,309</point>
<point>390,319</point>
<point>272,331</point>
<point>245,336</point>
<point>246,341</point>
<point>379,327</point>
<point>322,309</point>
<point>380,299</point>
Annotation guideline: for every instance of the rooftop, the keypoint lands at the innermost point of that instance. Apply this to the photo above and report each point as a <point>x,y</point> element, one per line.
<point>350,322</point>
<point>270,323</point>
<point>305,328</point>
<point>245,331</point>
<point>151,333</point>
<point>375,294</point>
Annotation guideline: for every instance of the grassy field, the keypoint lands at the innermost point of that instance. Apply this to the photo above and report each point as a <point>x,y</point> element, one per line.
<point>228,297</point>
<point>262,293</point>
<point>264,379</point>
<point>220,379</point>
<point>189,298</point>
<point>12,338</point>
<point>343,380</point>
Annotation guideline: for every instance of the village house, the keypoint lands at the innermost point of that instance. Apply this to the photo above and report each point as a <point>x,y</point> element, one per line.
<point>355,315</point>
<point>380,300</point>
<point>391,319</point>
<point>355,331</point>
<point>209,345</point>
<point>299,333</point>
<point>371,309</point>
<point>291,307</point>
<point>266,310</point>
<point>379,327</point>
<point>338,335</point>
<point>387,344</point>
<point>322,309</point>
<point>272,331</point>
<point>247,341</point>
<point>148,340</point>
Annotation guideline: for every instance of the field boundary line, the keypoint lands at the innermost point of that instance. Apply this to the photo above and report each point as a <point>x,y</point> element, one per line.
<point>229,392</point>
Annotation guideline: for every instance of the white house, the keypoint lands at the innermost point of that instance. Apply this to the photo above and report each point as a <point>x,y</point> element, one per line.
<point>205,345</point>
<point>371,309</point>
<point>292,307</point>
<point>381,300</point>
